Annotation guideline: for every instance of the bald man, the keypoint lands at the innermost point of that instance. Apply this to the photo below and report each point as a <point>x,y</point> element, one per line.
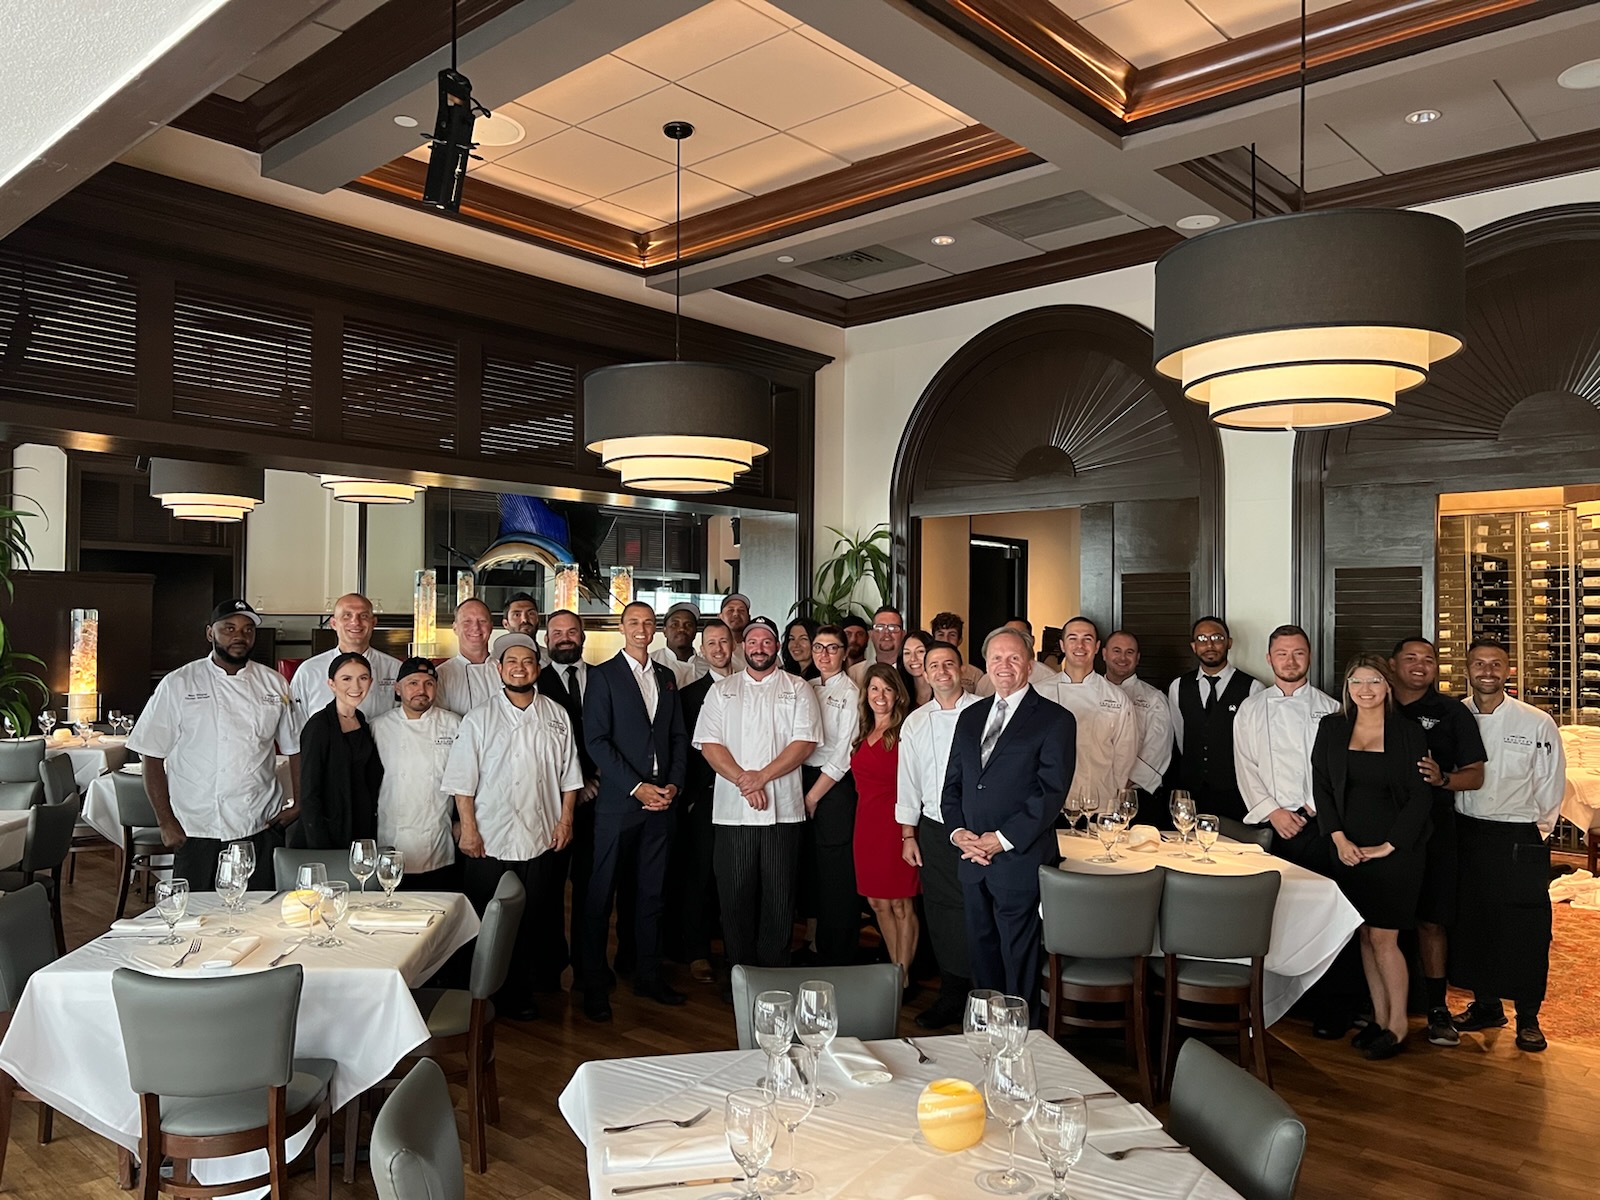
<point>352,622</point>
<point>470,678</point>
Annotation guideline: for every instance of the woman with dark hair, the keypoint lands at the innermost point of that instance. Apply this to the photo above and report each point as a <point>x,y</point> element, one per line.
<point>340,771</point>
<point>882,875</point>
<point>797,648</point>
<point>913,650</point>
<point>1374,806</point>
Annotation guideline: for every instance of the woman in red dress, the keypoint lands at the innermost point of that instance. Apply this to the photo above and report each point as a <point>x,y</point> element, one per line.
<point>885,878</point>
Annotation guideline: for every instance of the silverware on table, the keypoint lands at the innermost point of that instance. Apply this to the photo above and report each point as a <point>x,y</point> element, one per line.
<point>1087,1096</point>
<point>293,946</point>
<point>271,898</point>
<point>184,957</point>
<point>376,932</point>
<point>631,1188</point>
<point>685,1123</point>
<point>922,1055</point>
<point>1119,1155</point>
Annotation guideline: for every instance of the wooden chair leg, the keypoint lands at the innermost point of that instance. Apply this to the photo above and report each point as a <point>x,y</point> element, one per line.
<point>1139,1035</point>
<point>1258,1020</point>
<point>8,1097</point>
<point>324,1150</point>
<point>277,1144</point>
<point>47,1123</point>
<point>1052,1021</point>
<point>126,1172</point>
<point>72,865</point>
<point>475,1111</point>
<point>491,1081</point>
<point>1169,1025</point>
<point>149,1170</point>
<point>55,913</point>
<point>352,1137</point>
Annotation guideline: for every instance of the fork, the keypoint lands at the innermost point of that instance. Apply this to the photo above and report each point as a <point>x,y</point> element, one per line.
<point>184,957</point>
<point>922,1056</point>
<point>376,932</point>
<point>1119,1155</point>
<point>683,1124</point>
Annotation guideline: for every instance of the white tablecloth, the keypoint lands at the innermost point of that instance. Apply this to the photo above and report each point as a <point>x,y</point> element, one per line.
<point>867,1146</point>
<point>91,761</point>
<point>1581,802</point>
<point>13,837</point>
<point>1312,923</point>
<point>100,803</point>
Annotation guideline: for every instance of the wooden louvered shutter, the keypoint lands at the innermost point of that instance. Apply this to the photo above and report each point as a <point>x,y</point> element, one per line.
<point>68,333</point>
<point>1155,609</point>
<point>529,409</point>
<point>399,388</point>
<point>241,362</point>
<point>1373,608</point>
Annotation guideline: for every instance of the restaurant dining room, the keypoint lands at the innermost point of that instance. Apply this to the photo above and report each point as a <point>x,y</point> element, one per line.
<point>873,599</point>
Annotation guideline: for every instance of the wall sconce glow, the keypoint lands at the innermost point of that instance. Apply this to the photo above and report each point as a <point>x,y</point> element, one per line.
<point>354,489</point>
<point>621,588</point>
<point>83,666</point>
<point>195,491</point>
<point>466,587</point>
<point>566,587</point>
<point>424,621</point>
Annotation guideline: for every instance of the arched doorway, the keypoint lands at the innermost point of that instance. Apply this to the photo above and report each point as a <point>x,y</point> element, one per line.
<point>1058,410</point>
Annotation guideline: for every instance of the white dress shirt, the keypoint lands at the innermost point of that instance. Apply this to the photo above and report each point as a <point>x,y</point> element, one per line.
<point>925,741</point>
<point>1108,732</point>
<point>754,720</point>
<point>1272,738</point>
<point>463,684</point>
<point>1526,772</point>
<point>687,670</point>
<point>515,763</point>
<point>1155,733</point>
<point>998,719</point>
<point>644,677</point>
<point>838,699</point>
<point>1223,678</point>
<point>413,811</point>
<point>216,732</point>
<point>1040,676</point>
<point>309,687</point>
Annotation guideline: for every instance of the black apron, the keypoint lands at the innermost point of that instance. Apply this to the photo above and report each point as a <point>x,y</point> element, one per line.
<point>1500,946</point>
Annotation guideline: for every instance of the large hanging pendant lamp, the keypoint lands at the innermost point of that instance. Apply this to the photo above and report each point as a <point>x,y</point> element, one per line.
<point>355,489</point>
<point>1311,319</point>
<point>197,491</point>
<point>677,426</point>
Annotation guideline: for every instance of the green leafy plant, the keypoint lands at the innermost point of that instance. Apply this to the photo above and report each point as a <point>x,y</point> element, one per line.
<point>855,562</point>
<point>22,692</point>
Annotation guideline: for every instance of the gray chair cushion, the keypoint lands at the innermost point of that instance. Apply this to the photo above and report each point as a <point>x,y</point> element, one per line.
<point>1235,1124</point>
<point>206,1116</point>
<point>286,865</point>
<point>1100,916</point>
<point>20,759</point>
<point>1097,972</point>
<point>448,1011</point>
<point>415,1152</point>
<point>133,802</point>
<point>1261,834</point>
<point>1207,972</point>
<point>868,997</point>
<point>60,784</point>
<point>27,939</point>
<point>497,938</point>
<point>17,796</point>
<point>1219,916</point>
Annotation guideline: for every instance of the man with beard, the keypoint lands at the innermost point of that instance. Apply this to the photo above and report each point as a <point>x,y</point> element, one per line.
<point>207,739</point>
<point>522,616</point>
<point>515,774</point>
<point>414,743</point>
<point>1454,763</point>
<point>888,632</point>
<point>857,637</point>
<point>678,655</point>
<point>1204,703</point>
<point>352,622</point>
<point>469,679</point>
<point>755,730</point>
<point>1108,728</point>
<point>1155,722</point>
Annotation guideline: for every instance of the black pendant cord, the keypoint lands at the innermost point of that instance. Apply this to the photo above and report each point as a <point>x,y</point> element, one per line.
<point>1252,181</point>
<point>677,260</point>
<point>1301,204</point>
<point>453,5</point>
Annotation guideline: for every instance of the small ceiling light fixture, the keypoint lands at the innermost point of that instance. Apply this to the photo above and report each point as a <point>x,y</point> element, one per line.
<point>677,426</point>
<point>405,122</point>
<point>786,258</point>
<point>943,239</point>
<point>1423,116</point>
<point>1199,221</point>
<point>354,489</point>
<point>1581,76</point>
<point>497,129</point>
<point>451,141</point>
<point>194,491</point>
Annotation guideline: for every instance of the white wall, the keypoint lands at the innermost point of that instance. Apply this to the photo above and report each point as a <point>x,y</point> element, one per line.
<point>39,482</point>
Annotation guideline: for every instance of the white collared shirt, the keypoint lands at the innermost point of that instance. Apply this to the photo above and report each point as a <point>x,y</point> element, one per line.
<point>580,666</point>
<point>925,741</point>
<point>463,684</point>
<point>1526,772</point>
<point>515,763</point>
<point>1108,733</point>
<point>1040,676</point>
<point>216,733</point>
<point>311,693</point>
<point>1272,738</point>
<point>1155,733</point>
<point>686,670</point>
<point>755,720</point>
<point>644,676</point>
<point>1011,703</point>
<point>839,700</point>
<point>1223,678</point>
<point>413,811</point>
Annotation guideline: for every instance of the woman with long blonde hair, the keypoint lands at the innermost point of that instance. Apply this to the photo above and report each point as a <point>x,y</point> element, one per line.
<point>883,876</point>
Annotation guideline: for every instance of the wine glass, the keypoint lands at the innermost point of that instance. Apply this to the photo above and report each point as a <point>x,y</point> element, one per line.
<point>1073,807</point>
<point>816,1023</point>
<point>1207,828</point>
<point>363,862</point>
<point>391,867</point>
<point>245,853</point>
<point>47,722</point>
<point>335,902</point>
<point>114,719</point>
<point>773,1020</point>
<point>1012,1090</point>
<point>309,881</point>
<point>232,882</point>
<point>1182,808</point>
<point>794,1095</point>
<point>172,902</point>
<point>1107,825</point>
<point>81,728</point>
<point>1059,1127</point>
<point>1008,1024</point>
<point>975,1024</point>
<point>750,1120</point>
<point>1127,809</point>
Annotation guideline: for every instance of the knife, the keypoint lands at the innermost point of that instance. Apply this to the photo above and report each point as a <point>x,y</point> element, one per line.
<point>271,898</point>
<point>631,1188</point>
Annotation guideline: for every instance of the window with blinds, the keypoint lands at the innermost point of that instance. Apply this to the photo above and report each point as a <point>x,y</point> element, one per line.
<point>399,388</point>
<point>1156,610</point>
<point>529,409</point>
<point>68,332</point>
<point>241,362</point>
<point>1373,608</point>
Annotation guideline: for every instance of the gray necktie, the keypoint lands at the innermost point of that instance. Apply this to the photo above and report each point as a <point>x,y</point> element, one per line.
<point>991,735</point>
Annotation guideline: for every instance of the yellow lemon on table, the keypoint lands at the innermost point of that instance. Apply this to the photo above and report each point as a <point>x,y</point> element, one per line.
<point>951,1114</point>
<point>295,911</point>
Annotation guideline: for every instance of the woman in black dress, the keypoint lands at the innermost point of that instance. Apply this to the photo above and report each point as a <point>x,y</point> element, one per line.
<point>797,648</point>
<point>340,772</point>
<point>1373,804</point>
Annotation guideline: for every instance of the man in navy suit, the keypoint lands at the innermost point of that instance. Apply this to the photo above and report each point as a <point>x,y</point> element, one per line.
<point>633,725</point>
<point>1010,767</point>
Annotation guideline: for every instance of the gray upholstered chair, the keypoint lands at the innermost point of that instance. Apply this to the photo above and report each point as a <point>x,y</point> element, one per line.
<point>415,1152</point>
<point>286,864</point>
<point>27,944</point>
<point>1238,831</point>
<point>61,785</point>
<point>1098,933</point>
<point>49,841</point>
<point>868,997</point>
<point>18,797</point>
<point>1236,1125</point>
<point>20,759</point>
<point>1206,919</point>
<point>141,838</point>
<point>212,1062</point>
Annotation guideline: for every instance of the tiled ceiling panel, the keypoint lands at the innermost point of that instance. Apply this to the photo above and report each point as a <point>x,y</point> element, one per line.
<point>1146,32</point>
<point>707,35</point>
<point>1235,18</point>
<point>772,163</point>
<point>975,246</point>
<point>786,82</point>
<point>585,162</point>
<point>658,197</point>
<point>876,126</point>
<point>716,129</point>
<point>592,89</point>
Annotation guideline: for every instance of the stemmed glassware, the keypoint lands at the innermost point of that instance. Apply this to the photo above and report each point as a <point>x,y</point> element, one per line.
<point>172,903</point>
<point>773,1021</point>
<point>83,729</point>
<point>310,879</point>
<point>1059,1127</point>
<point>794,1094</point>
<point>1107,827</point>
<point>1012,1090</point>
<point>816,1023</point>
<point>975,1024</point>
<point>1127,810</point>
<point>232,883</point>
<point>47,722</point>
<point>1182,808</point>
<point>363,862</point>
<point>1074,806</point>
<point>391,868</point>
<point>335,902</point>
<point>1207,828</point>
<point>1008,1024</point>
<point>750,1120</point>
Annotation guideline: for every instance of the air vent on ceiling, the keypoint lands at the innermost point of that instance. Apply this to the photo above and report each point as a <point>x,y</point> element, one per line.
<point>1050,215</point>
<point>860,264</point>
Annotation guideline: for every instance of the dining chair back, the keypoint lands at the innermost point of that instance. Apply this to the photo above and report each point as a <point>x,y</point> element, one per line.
<point>134,810</point>
<point>1100,916</point>
<point>59,781</point>
<point>16,796</point>
<point>415,1153</point>
<point>286,864</point>
<point>1236,1125</point>
<point>26,941</point>
<point>20,759</point>
<point>497,937</point>
<point>1219,916</point>
<point>868,997</point>
<point>49,837</point>
<point>1238,831</point>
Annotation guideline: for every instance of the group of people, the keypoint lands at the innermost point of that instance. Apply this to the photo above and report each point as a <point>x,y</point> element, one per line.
<point>783,775</point>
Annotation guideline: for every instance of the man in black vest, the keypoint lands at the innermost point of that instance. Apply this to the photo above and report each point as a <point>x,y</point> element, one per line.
<point>1204,702</point>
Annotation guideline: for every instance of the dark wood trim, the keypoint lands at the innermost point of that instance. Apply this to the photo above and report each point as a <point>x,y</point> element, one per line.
<point>792,297</point>
<point>1224,181</point>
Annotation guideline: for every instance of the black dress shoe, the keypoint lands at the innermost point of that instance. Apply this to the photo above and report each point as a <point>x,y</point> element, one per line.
<point>597,1006</point>
<point>1330,1029</point>
<point>1530,1037</point>
<point>657,990</point>
<point>1478,1017</point>
<point>528,1012</point>
<point>1387,1046</point>
<point>1369,1034</point>
<point>942,1013</point>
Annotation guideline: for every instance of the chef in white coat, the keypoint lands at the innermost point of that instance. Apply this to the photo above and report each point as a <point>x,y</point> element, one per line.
<point>1108,728</point>
<point>470,678</point>
<point>414,813</point>
<point>1155,718</point>
<point>352,622</point>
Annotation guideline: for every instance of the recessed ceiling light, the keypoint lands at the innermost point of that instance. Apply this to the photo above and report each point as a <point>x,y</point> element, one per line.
<point>943,239</point>
<point>1423,116</point>
<point>498,130</point>
<point>405,122</point>
<point>1581,76</point>
<point>1199,221</point>
<point>785,258</point>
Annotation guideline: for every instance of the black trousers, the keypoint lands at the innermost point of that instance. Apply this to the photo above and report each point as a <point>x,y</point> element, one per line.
<point>1308,848</point>
<point>444,879</point>
<point>1005,937</point>
<point>1500,945</point>
<point>758,869</point>
<point>830,859</point>
<point>196,861</point>
<point>628,843</point>
<point>691,902</point>
<point>537,945</point>
<point>945,905</point>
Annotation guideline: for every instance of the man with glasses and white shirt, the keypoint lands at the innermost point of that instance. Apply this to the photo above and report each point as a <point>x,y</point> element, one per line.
<point>888,632</point>
<point>831,805</point>
<point>1155,720</point>
<point>470,678</point>
<point>1108,727</point>
<point>1204,702</point>
<point>353,623</point>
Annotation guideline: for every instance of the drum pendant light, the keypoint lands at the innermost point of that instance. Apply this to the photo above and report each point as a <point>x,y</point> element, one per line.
<point>197,491</point>
<point>677,426</point>
<point>1311,319</point>
<point>353,489</point>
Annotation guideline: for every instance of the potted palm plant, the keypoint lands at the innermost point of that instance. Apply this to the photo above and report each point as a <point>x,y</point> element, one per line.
<point>22,692</point>
<point>856,562</point>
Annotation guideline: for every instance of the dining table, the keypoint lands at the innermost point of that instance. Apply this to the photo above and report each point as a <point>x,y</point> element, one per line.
<point>91,759</point>
<point>867,1145</point>
<point>1311,923</point>
<point>100,799</point>
<point>1580,800</point>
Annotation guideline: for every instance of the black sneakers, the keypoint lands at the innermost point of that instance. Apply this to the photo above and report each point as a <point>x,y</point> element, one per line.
<point>1529,1036</point>
<point>1440,1030</point>
<point>1479,1017</point>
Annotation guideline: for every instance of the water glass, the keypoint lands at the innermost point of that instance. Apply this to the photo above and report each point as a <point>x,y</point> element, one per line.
<point>975,1024</point>
<point>1127,809</point>
<point>1008,1024</point>
<point>816,1024</point>
<point>232,883</point>
<point>1073,807</point>
<point>244,853</point>
<point>1107,827</point>
<point>391,867</point>
<point>172,903</point>
<point>1059,1128</point>
<point>750,1121</point>
<point>363,862</point>
<point>47,722</point>
<point>1012,1091</point>
<point>335,902</point>
<point>309,880</point>
<point>794,1094</point>
<point>1207,828</point>
<point>1181,806</point>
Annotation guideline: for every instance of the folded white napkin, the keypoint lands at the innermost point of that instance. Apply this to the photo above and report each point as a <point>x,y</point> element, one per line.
<point>150,923</point>
<point>389,918</point>
<point>667,1147</point>
<point>1144,837</point>
<point>230,955</point>
<point>162,958</point>
<point>1108,1119</point>
<point>858,1063</point>
<point>133,768</point>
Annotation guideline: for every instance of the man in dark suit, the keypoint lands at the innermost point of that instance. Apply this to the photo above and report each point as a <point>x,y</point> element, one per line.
<point>1010,767</point>
<point>633,724</point>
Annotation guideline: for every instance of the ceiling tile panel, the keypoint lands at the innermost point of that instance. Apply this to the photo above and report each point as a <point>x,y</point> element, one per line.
<point>1475,118</point>
<point>658,197</point>
<point>536,126</point>
<point>1239,17</point>
<point>770,164</point>
<point>928,98</point>
<point>529,186</point>
<point>786,81</point>
<point>807,279</point>
<point>583,162</point>
<point>773,12</point>
<point>239,88</point>
<point>638,124</point>
<point>591,90</point>
<point>975,246</point>
<point>1352,170</point>
<point>876,126</point>
<point>850,56</point>
<point>617,215</point>
<point>1078,9</point>
<point>1146,32</point>
<point>1082,235</point>
<point>707,35</point>
<point>905,277</point>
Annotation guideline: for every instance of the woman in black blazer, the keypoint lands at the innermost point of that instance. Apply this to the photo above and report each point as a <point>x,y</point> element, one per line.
<point>340,771</point>
<point>1374,805</point>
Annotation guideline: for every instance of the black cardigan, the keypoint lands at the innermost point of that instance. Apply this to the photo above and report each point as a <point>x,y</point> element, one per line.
<point>1404,745</point>
<point>326,818</point>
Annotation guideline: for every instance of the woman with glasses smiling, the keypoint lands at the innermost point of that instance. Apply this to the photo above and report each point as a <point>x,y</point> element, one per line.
<point>828,870</point>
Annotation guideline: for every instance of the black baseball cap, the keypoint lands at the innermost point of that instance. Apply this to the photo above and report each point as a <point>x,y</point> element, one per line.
<point>417,666</point>
<point>765,623</point>
<point>231,608</point>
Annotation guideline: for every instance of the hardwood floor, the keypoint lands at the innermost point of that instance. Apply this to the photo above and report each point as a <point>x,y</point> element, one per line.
<point>1483,1120</point>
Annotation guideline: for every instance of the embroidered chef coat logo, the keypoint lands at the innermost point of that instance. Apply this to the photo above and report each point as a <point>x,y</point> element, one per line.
<point>1427,722</point>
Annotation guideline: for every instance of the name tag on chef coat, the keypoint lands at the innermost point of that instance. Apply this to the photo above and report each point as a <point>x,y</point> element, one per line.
<point>191,696</point>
